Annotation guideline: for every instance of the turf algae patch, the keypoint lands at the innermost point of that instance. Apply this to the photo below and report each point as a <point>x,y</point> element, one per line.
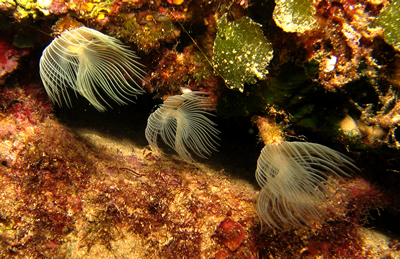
<point>241,52</point>
<point>389,21</point>
<point>295,16</point>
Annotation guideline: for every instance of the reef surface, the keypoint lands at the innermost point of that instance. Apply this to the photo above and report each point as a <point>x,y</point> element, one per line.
<point>76,183</point>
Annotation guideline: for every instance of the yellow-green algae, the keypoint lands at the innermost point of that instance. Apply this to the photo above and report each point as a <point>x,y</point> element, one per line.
<point>241,52</point>
<point>147,32</point>
<point>295,15</point>
<point>389,21</point>
<point>26,8</point>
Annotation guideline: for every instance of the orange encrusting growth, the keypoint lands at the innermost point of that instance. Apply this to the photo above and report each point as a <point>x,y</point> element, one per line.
<point>270,132</point>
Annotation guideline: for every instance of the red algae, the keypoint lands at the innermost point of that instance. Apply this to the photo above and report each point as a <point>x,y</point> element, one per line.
<point>71,196</point>
<point>9,56</point>
<point>65,196</point>
<point>59,193</point>
<point>230,233</point>
<point>189,69</point>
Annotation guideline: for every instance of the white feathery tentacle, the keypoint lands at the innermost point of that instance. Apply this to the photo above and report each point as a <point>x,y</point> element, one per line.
<point>294,181</point>
<point>87,60</point>
<point>182,123</point>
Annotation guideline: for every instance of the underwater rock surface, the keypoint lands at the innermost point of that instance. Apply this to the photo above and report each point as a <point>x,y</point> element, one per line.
<point>82,196</point>
<point>83,193</point>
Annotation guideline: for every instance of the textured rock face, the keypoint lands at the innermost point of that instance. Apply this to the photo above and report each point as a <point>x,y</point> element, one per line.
<point>84,194</point>
<point>64,196</point>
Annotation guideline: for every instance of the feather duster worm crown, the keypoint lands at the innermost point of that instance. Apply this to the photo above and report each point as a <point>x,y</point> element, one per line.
<point>92,64</point>
<point>296,190</point>
<point>182,123</point>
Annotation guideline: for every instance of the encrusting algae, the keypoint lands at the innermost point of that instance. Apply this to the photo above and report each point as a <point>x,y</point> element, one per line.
<point>94,197</point>
<point>63,197</point>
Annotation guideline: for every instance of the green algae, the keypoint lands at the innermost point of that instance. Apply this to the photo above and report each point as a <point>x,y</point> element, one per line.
<point>389,21</point>
<point>241,52</point>
<point>147,32</point>
<point>295,16</point>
